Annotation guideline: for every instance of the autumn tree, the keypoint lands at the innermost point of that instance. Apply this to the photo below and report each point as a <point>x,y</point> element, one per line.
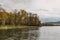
<point>12,18</point>
<point>4,16</point>
<point>24,16</point>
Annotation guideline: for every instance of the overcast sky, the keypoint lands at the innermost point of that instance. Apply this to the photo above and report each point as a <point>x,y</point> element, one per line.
<point>48,10</point>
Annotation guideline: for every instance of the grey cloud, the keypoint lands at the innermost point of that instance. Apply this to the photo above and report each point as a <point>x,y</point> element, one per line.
<point>41,7</point>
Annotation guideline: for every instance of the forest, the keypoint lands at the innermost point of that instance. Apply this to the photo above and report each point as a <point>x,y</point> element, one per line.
<point>21,17</point>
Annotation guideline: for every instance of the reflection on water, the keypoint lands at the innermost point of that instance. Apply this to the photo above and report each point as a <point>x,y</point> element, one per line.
<point>19,34</point>
<point>49,33</point>
<point>43,33</point>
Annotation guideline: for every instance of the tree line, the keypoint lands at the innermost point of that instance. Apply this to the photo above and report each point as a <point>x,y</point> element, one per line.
<point>18,18</point>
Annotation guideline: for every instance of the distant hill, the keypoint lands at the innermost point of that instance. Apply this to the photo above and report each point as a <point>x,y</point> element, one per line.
<point>51,23</point>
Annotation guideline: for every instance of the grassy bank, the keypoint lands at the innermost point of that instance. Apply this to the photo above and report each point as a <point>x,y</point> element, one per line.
<point>14,27</point>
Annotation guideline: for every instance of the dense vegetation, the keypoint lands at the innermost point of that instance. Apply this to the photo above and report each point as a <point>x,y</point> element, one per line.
<point>18,18</point>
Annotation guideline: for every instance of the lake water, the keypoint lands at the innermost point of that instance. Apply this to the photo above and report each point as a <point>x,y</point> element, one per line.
<point>49,33</point>
<point>43,33</point>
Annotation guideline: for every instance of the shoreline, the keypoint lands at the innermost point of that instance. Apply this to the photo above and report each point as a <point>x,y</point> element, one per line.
<point>18,27</point>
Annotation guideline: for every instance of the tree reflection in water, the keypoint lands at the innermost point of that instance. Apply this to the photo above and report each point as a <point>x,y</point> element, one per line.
<point>19,34</point>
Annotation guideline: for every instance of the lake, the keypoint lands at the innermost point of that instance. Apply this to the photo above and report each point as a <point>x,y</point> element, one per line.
<point>49,33</point>
<point>43,33</point>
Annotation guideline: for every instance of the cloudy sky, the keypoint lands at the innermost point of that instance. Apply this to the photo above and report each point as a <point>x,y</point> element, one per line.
<point>48,10</point>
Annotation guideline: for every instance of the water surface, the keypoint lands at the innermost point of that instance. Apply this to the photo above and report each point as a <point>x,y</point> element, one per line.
<point>49,33</point>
